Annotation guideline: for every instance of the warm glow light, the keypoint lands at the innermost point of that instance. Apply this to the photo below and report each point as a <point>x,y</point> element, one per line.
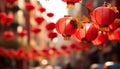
<point>49,67</point>
<point>44,62</point>
<point>19,28</point>
<point>94,65</point>
<point>109,63</point>
<point>55,6</point>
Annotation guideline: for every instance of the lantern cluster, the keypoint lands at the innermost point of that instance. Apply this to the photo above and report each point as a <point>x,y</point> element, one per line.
<point>21,53</point>
<point>104,26</point>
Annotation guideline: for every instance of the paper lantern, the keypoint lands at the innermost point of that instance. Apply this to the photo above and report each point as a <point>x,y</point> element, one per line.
<point>11,53</point>
<point>64,47</point>
<point>36,30</point>
<point>41,9</point>
<point>113,26</point>
<point>88,33</point>
<point>6,20</point>
<point>66,26</point>
<point>8,35</point>
<point>50,26</point>
<point>3,52</point>
<point>50,14</point>
<point>10,1</point>
<point>117,34</point>
<point>70,3</point>
<point>2,15</point>
<point>39,19</point>
<point>29,7</point>
<point>103,16</point>
<point>52,35</point>
<point>101,39</point>
<point>22,33</point>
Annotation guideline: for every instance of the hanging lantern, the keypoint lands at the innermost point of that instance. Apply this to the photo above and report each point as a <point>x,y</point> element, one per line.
<point>36,30</point>
<point>117,34</point>
<point>103,16</point>
<point>10,2</point>
<point>50,26</point>
<point>39,19</point>
<point>101,39</point>
<point>22,33</point>
<point>52,35</point>
<point>7,20</point>
<point>29,7</point>
<point>11,53</point>
<point>41,9</point>
<point>2,15</point>
<point>8,35</point>
<point>113,26</point>
<point>64,47</point>
<point>66,26</point>
<point>3,52</point>
<point>88,33</point>
<point>71,3</point>
<point>50,14</point>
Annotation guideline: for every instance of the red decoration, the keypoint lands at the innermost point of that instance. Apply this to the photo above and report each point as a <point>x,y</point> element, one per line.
<point>102,38</point>
<point>2,15</point>
<point>66,26</point>
<point>8,35</point>
<point>39,19</point>
<point>113,26</point>
<point>50,26</point>
<point>11,53</point>
<point>3,52</point>
<point>88,33</point>
<point>64,47</point>
<point>29,7</point>
<point>52,35</point>
<point>22,33</point>
<point>103,16</point>
<point>117,34</point>
<point>41,9</point>
<point>6,20</point>
<point>36,30</point>
<point>10,1</point>
<point>70,3</point>
<point>50,14</point>
<point>89,6</point>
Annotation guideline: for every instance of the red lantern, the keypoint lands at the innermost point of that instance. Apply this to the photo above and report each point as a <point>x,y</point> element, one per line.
<point>22,33</point>
<point>102,38</point>
<point>8,35</point>
<point>3,52</point>
<point>10,1</point>
<point>117,34</point>
<point>36,30</point>
<point>113,26</point>
<point>2,15</point>
<point>88,33</point>
<point>41,9</point>
<point>20,53</point>
<point>103,16</point>
<point>7,20</point>
<point>64,47</point>
<point>29,7</point>
<point>11,53</point>
<point>39,19</point>
<point>50,26</point>
<point>66,26</point>
<point>52,35</point>
<point>70,3</point>
<point>50,14</point>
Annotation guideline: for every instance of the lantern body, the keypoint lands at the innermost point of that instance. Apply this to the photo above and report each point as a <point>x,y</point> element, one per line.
<point>29,7</point>
<point>66,26</point>
<point>39,19</point>
<point>8,35</point>
<point>50,26</point>
<point>102,38</point>
<point>117,34</point>
<point>36,30</point>
<point>88,32</point>
<point>103,16</point>
<point>22,33</point>
<point>41,9</point>
<point>52,35</point>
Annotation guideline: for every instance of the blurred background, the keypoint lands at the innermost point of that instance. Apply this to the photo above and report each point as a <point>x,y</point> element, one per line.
<point>29,40</point>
